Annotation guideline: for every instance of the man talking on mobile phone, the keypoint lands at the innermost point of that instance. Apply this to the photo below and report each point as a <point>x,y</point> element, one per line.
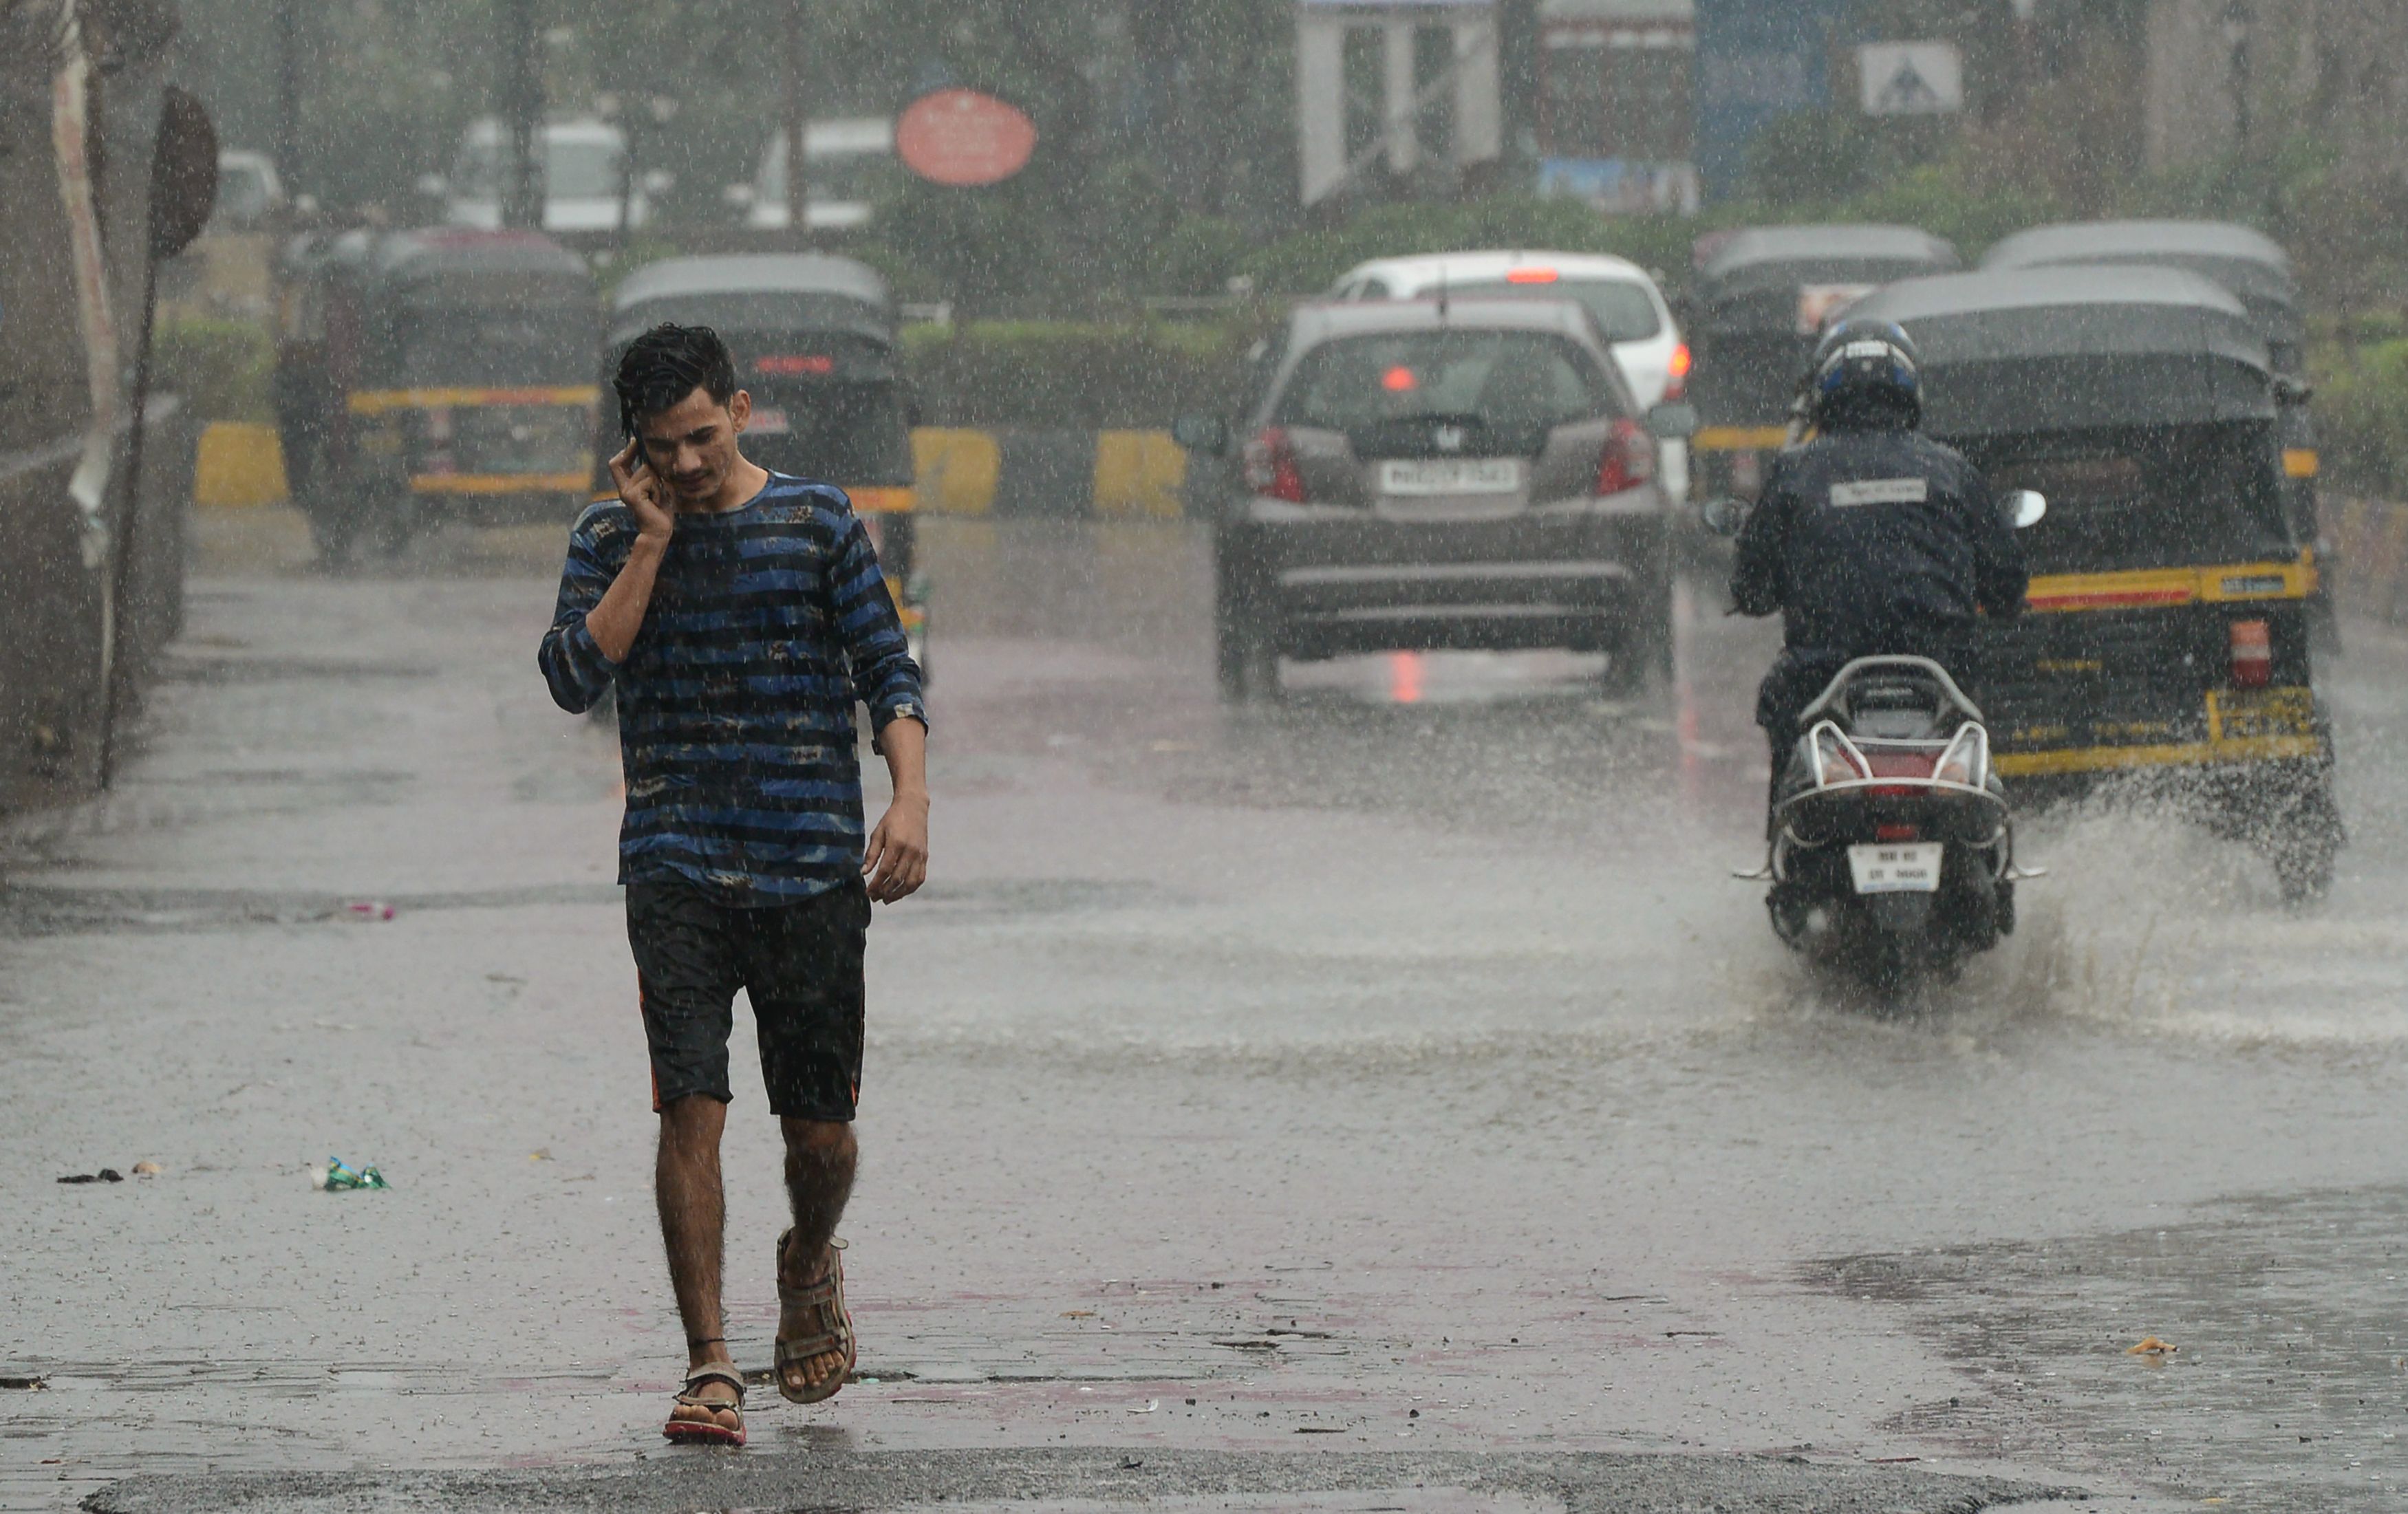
<point>738,614</point>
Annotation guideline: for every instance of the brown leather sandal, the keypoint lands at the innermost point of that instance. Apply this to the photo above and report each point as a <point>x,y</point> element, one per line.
<point>709,1431</point>
<point>825,1299</point>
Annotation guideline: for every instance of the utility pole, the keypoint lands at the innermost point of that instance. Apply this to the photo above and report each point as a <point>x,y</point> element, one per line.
<point>521,186</point>
<point>288,93</point>
<point>798,227</point>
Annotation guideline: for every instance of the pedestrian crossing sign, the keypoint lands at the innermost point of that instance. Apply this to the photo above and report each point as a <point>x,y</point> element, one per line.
<point>1911,78</point>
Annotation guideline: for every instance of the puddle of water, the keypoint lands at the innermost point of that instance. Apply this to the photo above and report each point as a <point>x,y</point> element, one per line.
<point>2285,1383</point>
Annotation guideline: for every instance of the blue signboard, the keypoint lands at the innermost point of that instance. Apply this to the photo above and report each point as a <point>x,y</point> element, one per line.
<point>1757,61</point>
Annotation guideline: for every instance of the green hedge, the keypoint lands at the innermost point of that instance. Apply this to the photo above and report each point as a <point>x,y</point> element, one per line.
<point>225,368</point>
<point>2361,410</point>
<point>1072,374</point>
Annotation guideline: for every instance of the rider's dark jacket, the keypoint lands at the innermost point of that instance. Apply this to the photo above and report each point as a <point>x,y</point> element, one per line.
<point>1870,542</point>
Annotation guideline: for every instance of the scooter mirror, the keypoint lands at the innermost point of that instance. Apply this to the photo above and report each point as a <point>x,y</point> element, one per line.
<point>2024,508</point>
<point>1723,515</point>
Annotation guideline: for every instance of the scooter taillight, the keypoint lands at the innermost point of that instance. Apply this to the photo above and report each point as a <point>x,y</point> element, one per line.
<point>1899,765</point>
<point>1837,759</point>
<point>1269,463</point>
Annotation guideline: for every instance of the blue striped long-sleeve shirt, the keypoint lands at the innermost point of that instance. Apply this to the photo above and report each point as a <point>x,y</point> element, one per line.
<point>736,723</point>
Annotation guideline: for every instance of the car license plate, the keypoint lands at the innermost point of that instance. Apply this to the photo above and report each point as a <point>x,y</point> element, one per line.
<point>1452,476</point>
<point>1884,868</point>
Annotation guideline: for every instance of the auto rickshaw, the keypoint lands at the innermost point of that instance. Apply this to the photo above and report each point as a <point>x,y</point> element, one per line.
<point>2167,631</point>
<point>1762,297</point>
<point>2254,270</point>
<point>425,376</point>
<point>814,342</point>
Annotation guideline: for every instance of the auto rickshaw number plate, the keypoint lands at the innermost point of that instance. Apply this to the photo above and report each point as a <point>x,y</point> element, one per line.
<point>2254,715</point>
<point>1910,868</point>
<point>1452,476</point>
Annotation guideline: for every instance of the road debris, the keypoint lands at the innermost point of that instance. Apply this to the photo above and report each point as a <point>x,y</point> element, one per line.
<point>147,1169</point>
<point>2152,1347</point>
<point>106,1175</point>
<point>369,910</point>
<point>336,1178</point>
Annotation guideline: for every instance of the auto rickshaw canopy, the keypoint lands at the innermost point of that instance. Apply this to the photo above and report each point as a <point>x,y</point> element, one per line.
<point>2248,265</point>
<point>2079,348</point>
<point>763,291</point>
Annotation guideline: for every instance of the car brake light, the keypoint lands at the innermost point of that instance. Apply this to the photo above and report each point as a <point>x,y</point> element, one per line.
<point>1531,275</point>
<point>2253,654</point>
<point>1898,833</point>
<point>1679,383</point>
<point>1269,463</point>
<point>1629,460</point>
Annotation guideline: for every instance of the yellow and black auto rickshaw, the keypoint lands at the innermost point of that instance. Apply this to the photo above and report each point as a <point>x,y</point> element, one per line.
<point>2168,632</point>
<point>435,375</point>
<point>1762,298</point>
<point>814,342</point>
<point>2254,269</point>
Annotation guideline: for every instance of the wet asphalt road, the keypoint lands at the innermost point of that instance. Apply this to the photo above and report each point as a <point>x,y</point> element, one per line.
<point>1393,1071</point>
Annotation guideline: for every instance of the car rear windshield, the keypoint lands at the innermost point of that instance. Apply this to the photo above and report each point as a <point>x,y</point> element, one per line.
<point>1506,378</point>
<point>2155,497</point>
<point>1625,311</point>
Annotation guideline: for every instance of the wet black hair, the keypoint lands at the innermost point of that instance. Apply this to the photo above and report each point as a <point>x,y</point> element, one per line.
<point>665,364</point>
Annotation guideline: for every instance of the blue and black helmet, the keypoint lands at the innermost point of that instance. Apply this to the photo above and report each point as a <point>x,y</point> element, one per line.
<point>1865,374</point>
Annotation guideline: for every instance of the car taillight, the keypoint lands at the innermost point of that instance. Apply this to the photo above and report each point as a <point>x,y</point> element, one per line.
<point>1269,466</point>
<point>2253,654</point>
<point>1682,362</point>
<point>1629,460</point>
<point>1898,833</point>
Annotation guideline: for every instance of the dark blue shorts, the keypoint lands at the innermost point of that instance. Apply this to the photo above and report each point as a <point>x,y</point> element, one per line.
<point>800,965</point>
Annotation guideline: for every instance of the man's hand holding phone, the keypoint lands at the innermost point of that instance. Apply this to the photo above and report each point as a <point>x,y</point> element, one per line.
<point>639,490</point>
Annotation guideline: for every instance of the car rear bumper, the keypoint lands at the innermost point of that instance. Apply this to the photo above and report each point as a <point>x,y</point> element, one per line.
<point>1327,581</point>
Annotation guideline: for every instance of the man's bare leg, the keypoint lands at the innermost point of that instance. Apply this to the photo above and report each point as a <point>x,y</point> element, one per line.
<point>821,1156</point>
<point>694,1221</point>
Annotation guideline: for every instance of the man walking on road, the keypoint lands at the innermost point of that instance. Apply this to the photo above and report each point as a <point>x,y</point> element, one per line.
<point>739,613</point>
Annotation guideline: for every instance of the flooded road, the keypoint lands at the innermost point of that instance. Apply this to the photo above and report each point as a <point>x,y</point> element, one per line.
<point>1396,1065</point>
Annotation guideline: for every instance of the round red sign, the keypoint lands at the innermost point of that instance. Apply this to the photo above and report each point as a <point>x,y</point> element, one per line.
<point>963,138</point>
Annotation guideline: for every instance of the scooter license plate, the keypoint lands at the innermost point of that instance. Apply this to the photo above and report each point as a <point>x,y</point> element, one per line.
<point>1885,868</point>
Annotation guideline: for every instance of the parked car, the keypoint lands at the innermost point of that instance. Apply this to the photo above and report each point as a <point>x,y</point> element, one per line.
<point>1629,308</point>
<point>1419,474</point>
<point>248,191</point>
<point>584,181</point>
<point>847,164</point>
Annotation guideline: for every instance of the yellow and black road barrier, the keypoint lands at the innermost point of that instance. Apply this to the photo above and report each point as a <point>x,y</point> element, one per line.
<point>999,473</point>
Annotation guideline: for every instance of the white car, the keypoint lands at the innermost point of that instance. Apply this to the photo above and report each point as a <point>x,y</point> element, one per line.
<point>584,164</point>
<point>248,191</point>
<point>1628,308</point>
<point>847,162</point>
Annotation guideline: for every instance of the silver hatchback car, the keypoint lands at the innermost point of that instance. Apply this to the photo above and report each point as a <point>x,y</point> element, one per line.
<point>1422,473</point>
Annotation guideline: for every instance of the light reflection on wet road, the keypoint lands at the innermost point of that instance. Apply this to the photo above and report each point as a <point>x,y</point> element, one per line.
<point>1397,1062</point>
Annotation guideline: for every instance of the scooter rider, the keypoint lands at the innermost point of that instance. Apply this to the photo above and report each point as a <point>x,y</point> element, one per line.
<point>1869,538</point>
